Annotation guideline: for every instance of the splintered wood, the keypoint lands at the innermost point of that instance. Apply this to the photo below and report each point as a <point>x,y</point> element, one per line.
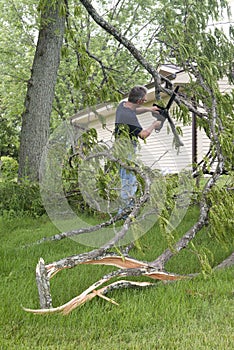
<point>128,267</point>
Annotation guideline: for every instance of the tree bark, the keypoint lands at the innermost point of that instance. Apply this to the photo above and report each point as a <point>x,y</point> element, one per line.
<point>226,263</point>
<point>43,285</point>
<point>40,91</point>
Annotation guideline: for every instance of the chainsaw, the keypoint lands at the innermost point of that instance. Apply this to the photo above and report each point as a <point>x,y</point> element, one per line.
<point>163,114</point>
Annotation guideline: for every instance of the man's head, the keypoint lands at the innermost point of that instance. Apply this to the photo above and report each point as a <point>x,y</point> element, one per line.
<point>137,94</point>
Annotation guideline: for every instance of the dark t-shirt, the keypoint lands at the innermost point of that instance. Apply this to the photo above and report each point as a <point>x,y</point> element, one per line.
<point>126,116</point>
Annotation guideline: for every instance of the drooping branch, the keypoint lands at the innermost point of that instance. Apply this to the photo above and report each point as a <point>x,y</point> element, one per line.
<point>184,241</point>
<point>83,230</point>
<point>125,42</point>
<point>158,78</point>
<point>204,207</point>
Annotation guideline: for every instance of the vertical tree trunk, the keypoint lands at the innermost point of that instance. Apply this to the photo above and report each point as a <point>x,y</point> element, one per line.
<point>40,93</point>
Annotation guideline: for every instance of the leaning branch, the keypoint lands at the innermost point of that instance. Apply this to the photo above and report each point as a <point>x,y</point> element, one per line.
<point>215,130</point>
<point>125,42</point>
<point>158,78</point>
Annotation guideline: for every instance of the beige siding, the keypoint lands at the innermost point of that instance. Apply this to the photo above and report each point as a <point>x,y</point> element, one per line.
<point>158,151</point>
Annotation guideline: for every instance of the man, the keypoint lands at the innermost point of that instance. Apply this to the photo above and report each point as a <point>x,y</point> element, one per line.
<point>127,124</point>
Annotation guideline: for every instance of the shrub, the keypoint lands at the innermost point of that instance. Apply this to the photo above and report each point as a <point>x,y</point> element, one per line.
<point>20,199</point>
<point>8,168</point>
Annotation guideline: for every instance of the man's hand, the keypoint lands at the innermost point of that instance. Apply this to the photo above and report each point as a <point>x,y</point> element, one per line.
<point>157,125</point>
<point>155,109</point>
<point>160,115</point>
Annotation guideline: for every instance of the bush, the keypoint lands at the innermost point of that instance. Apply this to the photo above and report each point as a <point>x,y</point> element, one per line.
<point>20,199</point>
<point>8,168</point>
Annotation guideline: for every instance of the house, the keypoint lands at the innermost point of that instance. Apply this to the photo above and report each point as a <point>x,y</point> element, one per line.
<point>158,152</point>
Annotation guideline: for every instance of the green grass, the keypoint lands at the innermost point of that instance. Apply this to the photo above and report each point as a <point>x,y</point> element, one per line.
<point>190,314</point>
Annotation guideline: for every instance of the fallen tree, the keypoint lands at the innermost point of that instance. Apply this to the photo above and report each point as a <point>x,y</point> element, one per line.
<point>215,114</point>
<point>127,266</point>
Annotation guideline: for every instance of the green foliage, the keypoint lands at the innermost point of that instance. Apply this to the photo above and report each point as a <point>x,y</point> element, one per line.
<point>18,200</point>
<point>94,67</point>
<point>18,27</point>
<point>221,220</point>
<point>205,258</point>
<point>8,168</point>
<point>84,178</point>
<point>182,114</point>
<point>195,47</point>
<point>107,180</point>
<point>167,205</point>
<point>9,135</point>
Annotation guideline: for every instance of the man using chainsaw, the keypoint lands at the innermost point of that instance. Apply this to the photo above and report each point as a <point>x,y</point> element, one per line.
<point>126,114</point>
<point>127,127</point>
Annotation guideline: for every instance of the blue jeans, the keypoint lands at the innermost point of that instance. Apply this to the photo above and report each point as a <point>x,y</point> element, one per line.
<point>128,187</point>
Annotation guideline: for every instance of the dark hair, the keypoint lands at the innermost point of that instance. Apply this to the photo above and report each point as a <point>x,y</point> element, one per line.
<point>137,93</point>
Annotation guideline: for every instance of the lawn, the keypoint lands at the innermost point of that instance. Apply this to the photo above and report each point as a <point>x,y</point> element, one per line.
<point>189,314</point>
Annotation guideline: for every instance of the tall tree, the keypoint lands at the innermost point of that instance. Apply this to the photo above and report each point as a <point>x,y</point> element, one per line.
<point>41,86</point>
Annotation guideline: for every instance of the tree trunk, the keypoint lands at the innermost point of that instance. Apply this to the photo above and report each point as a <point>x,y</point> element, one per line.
<point>40,92</point>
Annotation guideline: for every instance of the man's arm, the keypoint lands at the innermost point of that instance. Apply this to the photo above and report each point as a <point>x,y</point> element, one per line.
<point>146,132</point>
<point>141,110</point>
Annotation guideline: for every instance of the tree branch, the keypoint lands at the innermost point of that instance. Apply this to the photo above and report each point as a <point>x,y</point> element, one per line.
<point>125,42</point>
